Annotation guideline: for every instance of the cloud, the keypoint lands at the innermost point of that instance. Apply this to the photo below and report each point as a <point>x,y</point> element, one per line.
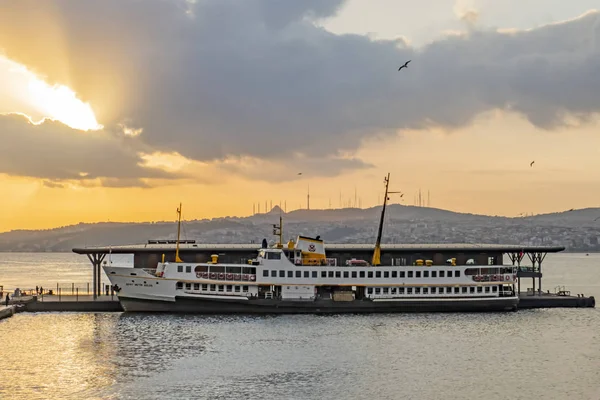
<point>221,79</point>
<point>56,153</point>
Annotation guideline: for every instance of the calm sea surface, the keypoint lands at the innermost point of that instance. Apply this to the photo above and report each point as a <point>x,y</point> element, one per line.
<point>551,354</point>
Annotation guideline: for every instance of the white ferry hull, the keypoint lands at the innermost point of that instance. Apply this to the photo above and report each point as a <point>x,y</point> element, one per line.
<point>267,306</point>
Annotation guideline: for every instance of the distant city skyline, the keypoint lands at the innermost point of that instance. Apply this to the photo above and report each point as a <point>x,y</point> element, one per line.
<point>231,104</point>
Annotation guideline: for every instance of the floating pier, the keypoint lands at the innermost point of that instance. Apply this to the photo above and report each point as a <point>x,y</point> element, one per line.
<point>554,300</point>
<point>7,311</point>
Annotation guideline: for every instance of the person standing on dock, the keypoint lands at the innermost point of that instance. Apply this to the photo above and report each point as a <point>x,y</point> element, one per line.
<point>7,299</point>
<point>37,290</point>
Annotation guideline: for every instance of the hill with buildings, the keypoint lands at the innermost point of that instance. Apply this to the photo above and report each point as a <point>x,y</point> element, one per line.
<point>578,230</point>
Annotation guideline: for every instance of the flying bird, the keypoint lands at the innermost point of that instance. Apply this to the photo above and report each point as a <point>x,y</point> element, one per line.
<point>531,164</point>
<point>299,173</point>
<point>405,65</point>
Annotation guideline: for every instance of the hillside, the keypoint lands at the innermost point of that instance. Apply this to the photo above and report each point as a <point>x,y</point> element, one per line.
<point>575,229</point>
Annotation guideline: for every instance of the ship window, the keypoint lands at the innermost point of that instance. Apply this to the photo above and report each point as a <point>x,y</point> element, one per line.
<point>386,274</point>
<point>394,274</point>
<point>307,274</point>
<point>201,268</point>
<point>196,286</point>
<point>377,290</point>
<point>449,274</point>
<point>378,274</point>
<point>418,274</point>
<point>298,274</point>
<point>281,273</point>
<point>221,287</point>
<point>487,289</point>
<point>237,289</point>
<point>433,290</point>
<point>179,285</point>
<point>354,274</point>
<point>393,290</point>
<point>409,290</point>
<point>442,273</point>
<point>188,286</point>
<point>425,290</point>
<point>410,274</point>
<point>471,289</point>
<point>385,290</point>
<point>330,274</point>
<point>265,272</point>
<point>188,268</point>
<point>323,274</point>
<point>402,274</point>
<point>213,288</point>
<point>215,268</point>
<point>418,290</point>
<point>234,270</point>
<point>370,290</point>
<point>479,289</point>
<point>456,274</point>
<point>401,290</point>
<point>274,273</point>
<point>315,274</point>
<point>290,274</point>
<point>362,274</point>
<point>346,274</point>
<point>244,288</point>
<point>434,274</point>
<point>456,290</point>
<point>464,290</point>
<point>494,289</point>
<point>274,256</point>
<point>204,286</point>
<point>338,274</point>
<point>370,274</point>
<point>229,288</point>
<point>180,268</point>
<point>425,274</point>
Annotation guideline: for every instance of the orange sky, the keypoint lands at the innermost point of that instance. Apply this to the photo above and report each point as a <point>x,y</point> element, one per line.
<point>481,168</point>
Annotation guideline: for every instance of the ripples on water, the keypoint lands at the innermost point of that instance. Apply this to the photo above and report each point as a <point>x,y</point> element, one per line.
<point>550,354</point>
<point>529,354</point>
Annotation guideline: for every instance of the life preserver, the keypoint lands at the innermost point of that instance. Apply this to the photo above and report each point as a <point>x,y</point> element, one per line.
<point>205,275</point>
<point>237,277</point>
<point>252,278</point>
<point>213,275</point>
<point>221,276</point>
<point>477,278</point>
<point>198,274</point>
<point>229,277</point>
<point>507,278</point>
<point>244,277</point>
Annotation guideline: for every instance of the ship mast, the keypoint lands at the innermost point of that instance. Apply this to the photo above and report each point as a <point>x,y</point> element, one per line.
<point>177,259</point>
<point>377,253</point>
<point>278,230</point>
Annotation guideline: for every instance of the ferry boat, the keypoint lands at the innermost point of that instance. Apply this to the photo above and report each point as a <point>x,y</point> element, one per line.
<point>299,278</point>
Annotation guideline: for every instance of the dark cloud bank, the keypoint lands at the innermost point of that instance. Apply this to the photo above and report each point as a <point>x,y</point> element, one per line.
<point>257,78</point>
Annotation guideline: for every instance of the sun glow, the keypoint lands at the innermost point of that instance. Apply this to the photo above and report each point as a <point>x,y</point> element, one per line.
<point>60,103</point>
<point>23,92</point>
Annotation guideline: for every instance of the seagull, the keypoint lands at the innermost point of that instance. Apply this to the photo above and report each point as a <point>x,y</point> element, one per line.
<point>405,65</point>
<point>531,164</point>
<point>299,173</point>
<point>597,218</point>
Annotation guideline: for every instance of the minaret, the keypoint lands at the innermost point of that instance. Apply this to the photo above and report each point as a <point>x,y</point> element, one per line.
<point>253,208</point>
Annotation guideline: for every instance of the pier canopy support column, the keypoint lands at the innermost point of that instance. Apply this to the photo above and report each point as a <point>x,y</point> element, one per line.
<point>96,260</point>
<point>537,258</point>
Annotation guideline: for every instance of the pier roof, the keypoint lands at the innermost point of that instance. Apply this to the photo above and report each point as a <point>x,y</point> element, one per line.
<point>339,247</point>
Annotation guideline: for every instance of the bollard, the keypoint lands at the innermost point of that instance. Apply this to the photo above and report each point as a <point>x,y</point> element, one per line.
<point>88,289</point>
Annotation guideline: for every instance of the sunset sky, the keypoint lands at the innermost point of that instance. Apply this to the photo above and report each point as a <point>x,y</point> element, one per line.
<point>120,109</point>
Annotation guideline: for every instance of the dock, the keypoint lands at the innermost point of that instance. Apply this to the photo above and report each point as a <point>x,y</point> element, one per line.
<point>7,311</point>
<point>528,301</point>
<point>69,303</point>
